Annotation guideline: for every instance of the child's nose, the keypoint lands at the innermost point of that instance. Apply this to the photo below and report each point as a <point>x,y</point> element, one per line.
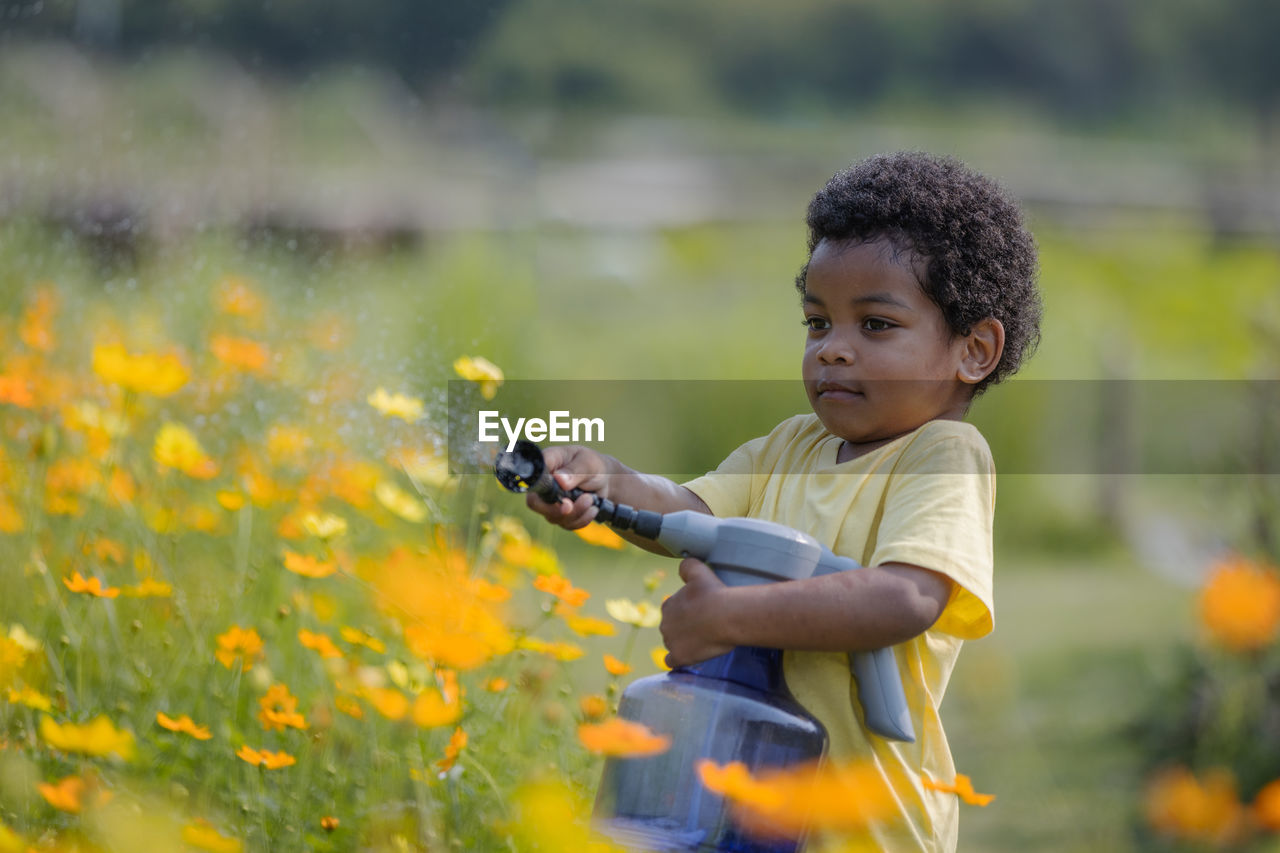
<point>836,349</point>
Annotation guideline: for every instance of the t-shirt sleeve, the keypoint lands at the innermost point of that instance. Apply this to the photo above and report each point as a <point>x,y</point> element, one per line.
<point>938,514</point>
<point>727,490</point>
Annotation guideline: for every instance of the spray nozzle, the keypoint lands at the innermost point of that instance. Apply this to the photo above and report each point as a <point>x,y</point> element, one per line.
<point>522,469</point>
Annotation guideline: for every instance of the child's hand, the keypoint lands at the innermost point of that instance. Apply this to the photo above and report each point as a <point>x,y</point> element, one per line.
<point>574,467</point>
<point>691,618</point>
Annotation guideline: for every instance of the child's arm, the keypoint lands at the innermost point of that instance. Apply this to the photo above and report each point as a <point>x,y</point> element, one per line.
<point>579,467</point>
<point>858,610</point>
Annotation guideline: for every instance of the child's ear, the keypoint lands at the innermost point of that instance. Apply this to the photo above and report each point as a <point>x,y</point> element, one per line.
<point>980,350</point>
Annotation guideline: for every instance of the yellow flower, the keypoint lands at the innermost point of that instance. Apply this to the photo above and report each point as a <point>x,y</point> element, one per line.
<point>319,643</point>
<point>91,586</point>
<point>431,710</point>
<point>30,697</point>
<point>265,758</point>
<point>615,666</point>
<point>280,710</point>
<point>149,588</point>
<point>359,638</point>
<point>176,447</point>
<point>202,836</point>
<point>183,724</point>
<point>323,525</point>
<point>622,739</point>
<point>589,626</point>
<point>496,684</point>
<point>230,501</point>
<point>962,787</point>
<point>10,841</point>
<point>98,738</point>
<point>160,375</point>
<point>396,405</point>
<point>658,655</point>
<point>329,823</point>
<point>388,702</point>
<point>552,817</point>
<point>400,502</point>
<point>1240,604</point>
<point>560,651</point>
<point>308,566</point>
<point>598,534</point>
<point>481,371</point>
<point>239,644</point>
<point>641,614</point>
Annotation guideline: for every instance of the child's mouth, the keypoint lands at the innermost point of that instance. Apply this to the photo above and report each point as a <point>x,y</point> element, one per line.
<point>834,392</point>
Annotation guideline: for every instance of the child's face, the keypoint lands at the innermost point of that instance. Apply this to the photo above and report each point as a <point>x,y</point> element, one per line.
<point>879,360</point>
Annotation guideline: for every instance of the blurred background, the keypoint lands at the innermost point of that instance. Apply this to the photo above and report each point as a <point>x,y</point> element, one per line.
<point>580,190</point>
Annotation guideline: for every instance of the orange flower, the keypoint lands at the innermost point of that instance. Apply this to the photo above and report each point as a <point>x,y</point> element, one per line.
<point>239,644</point>
<point>356,637</point>
<point>561,588</point>
<point>65,795</point>
<point>1182,805</point>
<point>783,803</point>
<point>240,353</point>
<point>308,566</point>
<point>265,758</point>
<point>1240,604</point>
<point>593,707</point>
<point>92,586</point>
<point>329,823</point>
<point>35,329</point>
<point>622,739</point>
<point>456,744</point>
<point>280,709</point>
<point>183,724</point>
<point>589,626</point>
<point>614,666</point>
<point>149,588</point>
<point>962,787</point>
<point>160,375</point>
<point>1266,806</point>
<point>319,643</point>
<point>560,651</point>
<point>496,684</point>
<point>349,706</point>
<point>16,391</point>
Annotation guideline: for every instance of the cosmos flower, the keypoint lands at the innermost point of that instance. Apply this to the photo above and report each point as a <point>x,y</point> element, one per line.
<point>201,835</point>
<point>486,374</point>
<point>431,710</point>
<point>1180,804</point>
<point>593,706</point>
<point>1266,806</point>
<point>621,738</point>
<point>402,406</point>
<point>400,502</point>
<point>183,724</point>
<point>265,758</point>
<point>91,586</point>
<point>308,566</point>
<point>149,588</point>
<point>457,742</point>
<point>65,795</point>
<point>641,614</point>
<point>279,710</point>
<point>238,644</point>
<point>319,643</point>
<point>177,447</point>
<point>145,373</point>
<point>240,353</point>
<point>98,738</point>
<point>561,588</point>
<point>1240,604</point>
<point>614,666</point>
<point>560,651</point>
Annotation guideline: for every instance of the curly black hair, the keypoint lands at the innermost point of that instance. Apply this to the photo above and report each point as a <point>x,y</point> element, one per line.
<point>979,259</point>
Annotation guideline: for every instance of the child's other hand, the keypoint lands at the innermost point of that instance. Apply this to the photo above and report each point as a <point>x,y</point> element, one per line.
<point>574,467</point>
<point>690,618</point>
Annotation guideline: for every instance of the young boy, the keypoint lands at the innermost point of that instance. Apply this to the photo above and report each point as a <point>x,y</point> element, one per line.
<point>918,293</point>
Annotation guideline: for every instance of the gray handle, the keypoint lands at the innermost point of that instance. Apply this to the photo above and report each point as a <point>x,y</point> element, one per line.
<point>884,704</point>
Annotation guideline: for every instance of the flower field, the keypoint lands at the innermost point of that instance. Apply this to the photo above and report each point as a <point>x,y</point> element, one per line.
<point>246,607</point>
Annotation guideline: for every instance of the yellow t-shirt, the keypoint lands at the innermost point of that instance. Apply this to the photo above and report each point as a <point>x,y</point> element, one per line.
<point>927,499</point>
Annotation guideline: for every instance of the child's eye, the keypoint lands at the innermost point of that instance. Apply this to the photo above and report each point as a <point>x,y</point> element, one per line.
<point>815,324</point>
<point>875,324</point>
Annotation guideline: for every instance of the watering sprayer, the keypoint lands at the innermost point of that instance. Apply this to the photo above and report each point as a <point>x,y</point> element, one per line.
<point>735,707</point>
